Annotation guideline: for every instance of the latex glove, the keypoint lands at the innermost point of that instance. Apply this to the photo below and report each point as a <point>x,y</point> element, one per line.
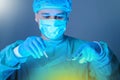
<point>32,46</point>
<point>88,52</point>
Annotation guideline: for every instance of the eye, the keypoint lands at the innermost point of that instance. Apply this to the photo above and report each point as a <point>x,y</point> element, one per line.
<point>59,17</point>
<point>46,17</point>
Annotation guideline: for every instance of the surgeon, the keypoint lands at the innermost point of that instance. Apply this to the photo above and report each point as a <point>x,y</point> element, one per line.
<point>55,56</point>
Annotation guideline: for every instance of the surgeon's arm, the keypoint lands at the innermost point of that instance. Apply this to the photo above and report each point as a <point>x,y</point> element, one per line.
<point>8,61</point>
<point>107,67</point>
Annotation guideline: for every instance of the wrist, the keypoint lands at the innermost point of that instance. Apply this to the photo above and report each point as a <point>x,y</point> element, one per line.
<point>16,52</point>
<point>19,56</point>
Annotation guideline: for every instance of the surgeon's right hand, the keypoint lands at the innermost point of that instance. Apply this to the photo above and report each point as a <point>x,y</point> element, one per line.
<point>32,46</point>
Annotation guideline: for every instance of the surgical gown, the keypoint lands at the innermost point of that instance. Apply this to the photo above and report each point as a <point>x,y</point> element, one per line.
<point>58,65</point>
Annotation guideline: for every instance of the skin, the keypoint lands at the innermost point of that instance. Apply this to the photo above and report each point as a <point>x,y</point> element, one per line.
<point>50,14</point>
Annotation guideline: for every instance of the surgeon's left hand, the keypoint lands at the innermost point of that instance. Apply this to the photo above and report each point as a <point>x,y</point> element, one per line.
<point>88,52</point>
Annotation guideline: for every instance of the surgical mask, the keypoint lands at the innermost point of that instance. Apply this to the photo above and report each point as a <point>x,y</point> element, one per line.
<point>52,29</point>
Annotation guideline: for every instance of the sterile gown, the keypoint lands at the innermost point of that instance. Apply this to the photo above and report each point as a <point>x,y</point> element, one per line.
<point>58,65</point>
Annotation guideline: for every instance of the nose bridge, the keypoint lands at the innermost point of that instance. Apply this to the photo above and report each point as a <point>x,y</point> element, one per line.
<point>52,17</point>
<point>53,23</point>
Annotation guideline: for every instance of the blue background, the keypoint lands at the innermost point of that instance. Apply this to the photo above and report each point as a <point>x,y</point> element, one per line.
<point>90,20</point>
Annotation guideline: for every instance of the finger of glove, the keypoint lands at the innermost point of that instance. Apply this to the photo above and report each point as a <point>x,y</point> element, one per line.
<point>38,48</point>
<point>27,47</point>
<point>88,54</point>
<point>24,49</point>
<point>34,53</point>
<point>82,60</point>
<point>92,54</point>
<point>78,53</point>
<point>41,42</point>
<point>31,52</point>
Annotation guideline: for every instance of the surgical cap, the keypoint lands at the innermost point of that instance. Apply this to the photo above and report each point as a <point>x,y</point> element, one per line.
<point>64,5</point>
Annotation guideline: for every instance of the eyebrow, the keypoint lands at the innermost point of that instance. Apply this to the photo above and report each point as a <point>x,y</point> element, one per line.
<point>45,13</point>
<point>61,13</point>
<point>48,14</point>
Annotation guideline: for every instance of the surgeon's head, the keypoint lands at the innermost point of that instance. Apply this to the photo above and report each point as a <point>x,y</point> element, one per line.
<point>52,17</point>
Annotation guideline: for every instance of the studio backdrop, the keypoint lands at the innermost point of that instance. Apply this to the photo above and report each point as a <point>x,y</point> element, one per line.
<point>92,20</point>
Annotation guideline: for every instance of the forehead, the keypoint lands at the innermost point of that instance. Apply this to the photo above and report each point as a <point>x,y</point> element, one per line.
<point>51,12</point>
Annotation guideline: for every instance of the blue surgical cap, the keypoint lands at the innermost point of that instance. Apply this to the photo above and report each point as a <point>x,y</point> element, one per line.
<point>64,5</point>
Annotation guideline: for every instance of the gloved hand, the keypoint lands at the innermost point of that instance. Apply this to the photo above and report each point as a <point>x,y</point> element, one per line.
<point>32,46</point>
<point>88,52</point>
